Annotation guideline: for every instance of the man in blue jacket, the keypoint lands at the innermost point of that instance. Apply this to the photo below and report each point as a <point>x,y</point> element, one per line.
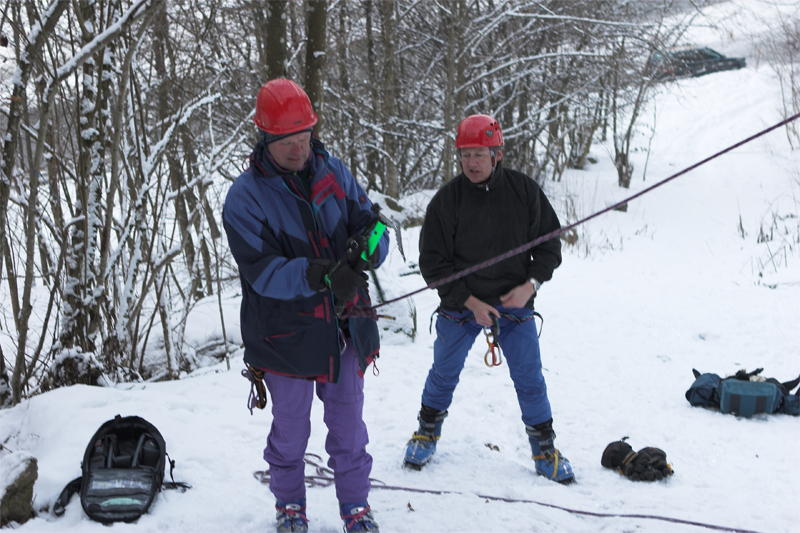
<point>288,219</point>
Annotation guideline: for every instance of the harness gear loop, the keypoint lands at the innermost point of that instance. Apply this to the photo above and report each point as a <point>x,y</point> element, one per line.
<point>492,336</point>
<point>258,392</point>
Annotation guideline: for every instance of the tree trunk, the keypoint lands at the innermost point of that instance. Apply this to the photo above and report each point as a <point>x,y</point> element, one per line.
<point>448,154</point>
<point>316,51</point>
<point>344,83</point>
<point>372,153</point>
<point>276,39</point>
<point>79,312</point>
<point>391,182</point>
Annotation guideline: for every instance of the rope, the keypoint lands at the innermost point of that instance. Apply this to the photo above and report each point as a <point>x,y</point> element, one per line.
<point>324,478</point>
<point>560,231</point>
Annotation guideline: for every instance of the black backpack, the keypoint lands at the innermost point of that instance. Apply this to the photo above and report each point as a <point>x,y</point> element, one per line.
<point>123,470</point>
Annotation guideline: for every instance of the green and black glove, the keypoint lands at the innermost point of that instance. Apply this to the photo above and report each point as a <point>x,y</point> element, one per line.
<point>358,244</point>
<point>648,464</point>
<point>324,274</point>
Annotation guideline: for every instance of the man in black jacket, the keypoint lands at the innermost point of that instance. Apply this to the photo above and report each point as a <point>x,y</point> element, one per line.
<point>486,211</point>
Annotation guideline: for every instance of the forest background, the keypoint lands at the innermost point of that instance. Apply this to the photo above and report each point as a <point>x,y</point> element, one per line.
<point>124,122</point>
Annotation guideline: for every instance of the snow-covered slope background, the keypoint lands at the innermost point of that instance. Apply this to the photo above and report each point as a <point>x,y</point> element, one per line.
<point>679,281</point>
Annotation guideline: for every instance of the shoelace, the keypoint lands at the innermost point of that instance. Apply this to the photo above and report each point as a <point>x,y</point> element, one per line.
<point>420,437</point>
<point>292,511</point>
<point>553,457</point>
<point>361,515</point>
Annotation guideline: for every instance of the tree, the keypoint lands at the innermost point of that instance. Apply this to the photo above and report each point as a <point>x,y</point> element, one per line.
<point>127,119</point>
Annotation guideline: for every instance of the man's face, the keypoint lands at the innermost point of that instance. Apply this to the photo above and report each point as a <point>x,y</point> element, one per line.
<point>477,163</point>
<point>291,152</point>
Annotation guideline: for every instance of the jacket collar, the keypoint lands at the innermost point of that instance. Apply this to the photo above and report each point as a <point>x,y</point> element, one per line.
<point>494,179</point>
<point>265,166</point>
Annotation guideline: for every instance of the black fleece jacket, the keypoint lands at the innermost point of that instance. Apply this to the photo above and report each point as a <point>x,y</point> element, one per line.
<point>466,224</point>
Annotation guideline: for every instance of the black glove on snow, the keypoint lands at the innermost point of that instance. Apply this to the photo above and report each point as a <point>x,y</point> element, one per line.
<point>340,278</point>
<point>648,464</point>
<point>657,462</point>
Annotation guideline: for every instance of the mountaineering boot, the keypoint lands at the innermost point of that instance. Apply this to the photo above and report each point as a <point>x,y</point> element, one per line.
<point>291,516</point>
<point>549,461</point>
<point>358,517</point>
<point>422,445</point>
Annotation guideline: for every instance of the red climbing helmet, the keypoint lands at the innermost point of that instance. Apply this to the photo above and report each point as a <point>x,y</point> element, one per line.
<point>478,130</point>
<point>283,108</point>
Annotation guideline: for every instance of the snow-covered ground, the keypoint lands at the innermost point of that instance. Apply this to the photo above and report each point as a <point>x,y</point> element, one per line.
<point>669,286</point>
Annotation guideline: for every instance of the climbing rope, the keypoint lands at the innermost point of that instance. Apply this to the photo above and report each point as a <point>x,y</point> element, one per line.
<point>324,478</point>
<point>560,231</point>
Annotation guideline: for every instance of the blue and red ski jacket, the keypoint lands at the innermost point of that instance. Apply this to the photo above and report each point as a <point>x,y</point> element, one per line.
<point>273,230</point>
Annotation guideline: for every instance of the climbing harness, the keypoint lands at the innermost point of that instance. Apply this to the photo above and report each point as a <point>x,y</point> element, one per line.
<point>492,339</point>
<point>470,318</point>
<point>324,478</point>
<point>555,233</point>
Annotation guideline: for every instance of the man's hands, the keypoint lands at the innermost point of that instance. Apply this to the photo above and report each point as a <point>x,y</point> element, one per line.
<point>483,312</point>
<point>517,297</point>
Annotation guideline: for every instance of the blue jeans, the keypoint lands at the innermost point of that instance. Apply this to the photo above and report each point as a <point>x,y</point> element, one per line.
<point>455,335</point>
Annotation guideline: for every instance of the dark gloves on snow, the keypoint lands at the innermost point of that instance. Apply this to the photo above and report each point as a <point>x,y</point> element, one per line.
<point>341,278</point>
<point>648,464</point>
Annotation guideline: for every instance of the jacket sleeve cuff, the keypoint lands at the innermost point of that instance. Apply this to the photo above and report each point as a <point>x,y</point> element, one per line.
<point>541,275</point>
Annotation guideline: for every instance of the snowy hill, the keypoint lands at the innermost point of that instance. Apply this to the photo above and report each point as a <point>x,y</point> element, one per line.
<point>679,281</point>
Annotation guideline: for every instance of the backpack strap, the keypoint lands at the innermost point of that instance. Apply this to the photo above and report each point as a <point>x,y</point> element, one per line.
<point>174,485</point>
<point>61,503</point>
<point>792,384</point>
<point>137,455</point>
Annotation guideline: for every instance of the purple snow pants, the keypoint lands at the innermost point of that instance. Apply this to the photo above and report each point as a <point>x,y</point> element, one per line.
<point>347,433</point>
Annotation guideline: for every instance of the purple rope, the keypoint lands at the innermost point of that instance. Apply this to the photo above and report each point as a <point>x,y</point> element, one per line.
<point>324,478</point>
<point>567,509</point>
<point>560,231</point>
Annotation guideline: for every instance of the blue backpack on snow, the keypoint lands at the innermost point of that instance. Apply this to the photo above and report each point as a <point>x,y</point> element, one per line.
<point>744,394</point>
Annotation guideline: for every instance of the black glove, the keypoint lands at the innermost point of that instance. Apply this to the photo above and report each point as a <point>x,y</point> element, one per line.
<point>316,272</point>
<point>648,464</point>
<point>657,462</point>
<point>340,278</point>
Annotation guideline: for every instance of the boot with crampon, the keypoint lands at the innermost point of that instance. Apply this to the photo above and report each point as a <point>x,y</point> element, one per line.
<point>549,461</point>
<point>422,445</point>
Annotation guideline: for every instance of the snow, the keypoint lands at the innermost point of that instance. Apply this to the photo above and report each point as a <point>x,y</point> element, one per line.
<point>646,296</point>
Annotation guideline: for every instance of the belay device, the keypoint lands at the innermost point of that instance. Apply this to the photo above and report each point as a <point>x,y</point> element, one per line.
<point>360,248</point>
<point>122,471</point>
